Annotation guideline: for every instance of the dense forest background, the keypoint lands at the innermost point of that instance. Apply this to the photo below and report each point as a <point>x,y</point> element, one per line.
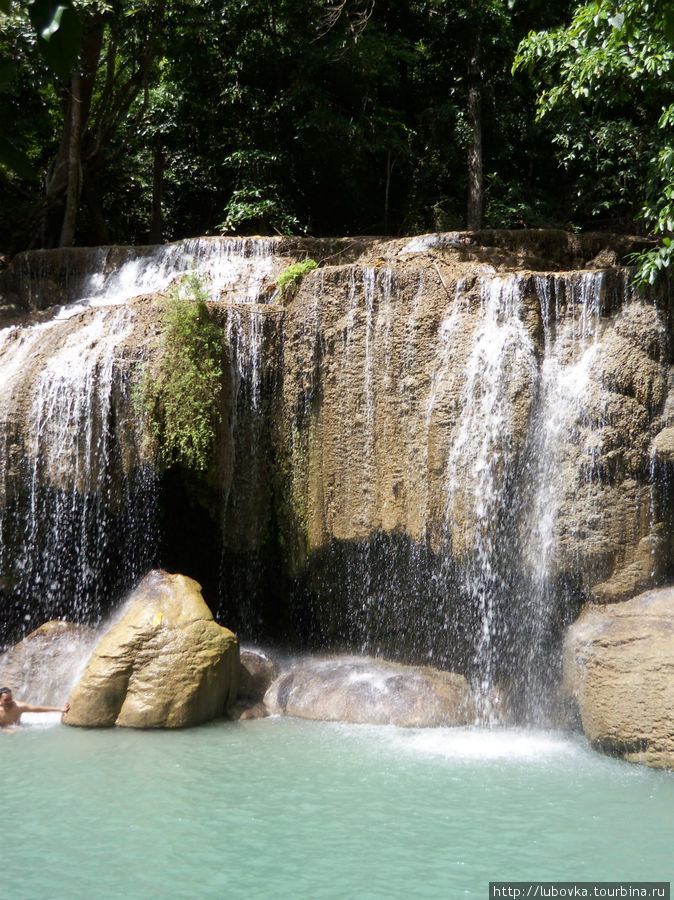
<point>139,121</point>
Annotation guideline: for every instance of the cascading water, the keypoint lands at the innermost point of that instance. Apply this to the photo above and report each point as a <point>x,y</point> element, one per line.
<point>403,445</point>
<point>70,506</point>
<point>482,460</point>
<point>571,315</point>
<point>113,275</point>
<point>78,517</point>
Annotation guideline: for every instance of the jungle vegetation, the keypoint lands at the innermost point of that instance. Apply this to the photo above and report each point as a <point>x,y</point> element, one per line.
<point>136,121</point>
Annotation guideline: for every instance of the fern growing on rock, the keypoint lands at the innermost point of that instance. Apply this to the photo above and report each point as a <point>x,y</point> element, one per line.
<point>181,390</point>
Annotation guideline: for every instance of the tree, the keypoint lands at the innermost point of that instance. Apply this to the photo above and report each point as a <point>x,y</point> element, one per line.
<point>102,55</point>
<point>609,75</point>
<point>56,31</point>
<point>186,117</point>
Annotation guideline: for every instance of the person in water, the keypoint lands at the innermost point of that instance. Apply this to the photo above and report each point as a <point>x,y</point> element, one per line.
<point>11,710</point>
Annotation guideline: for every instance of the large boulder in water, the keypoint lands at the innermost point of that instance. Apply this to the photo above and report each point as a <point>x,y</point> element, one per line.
<point>364,690</point>
<point>166,664</point>
<point>619,667</point>
<point>42,668</point>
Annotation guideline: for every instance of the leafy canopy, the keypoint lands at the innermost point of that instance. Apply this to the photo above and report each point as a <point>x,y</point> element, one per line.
<point>610,75</point>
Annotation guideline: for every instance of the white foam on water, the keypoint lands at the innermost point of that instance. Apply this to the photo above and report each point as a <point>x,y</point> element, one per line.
<point>41,720</point>
<point>490,744</point>
<point>475,744</point>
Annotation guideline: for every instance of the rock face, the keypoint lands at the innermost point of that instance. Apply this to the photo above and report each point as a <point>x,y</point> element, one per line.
<point>42,668</point>
<point>619,667</point>
<point>362,690</point>
<point>256,674</point>
<point>166,664</point>
<point>469,432</point>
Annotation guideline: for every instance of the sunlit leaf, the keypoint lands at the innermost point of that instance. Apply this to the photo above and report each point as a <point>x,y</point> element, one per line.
<point>58,34</point>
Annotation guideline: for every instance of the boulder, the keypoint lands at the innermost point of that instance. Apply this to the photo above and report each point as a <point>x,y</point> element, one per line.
<point>42,668</point>
<point>619,668</point>
<point>365,690</point>
<point>256,673</point>
<point>166,664</point>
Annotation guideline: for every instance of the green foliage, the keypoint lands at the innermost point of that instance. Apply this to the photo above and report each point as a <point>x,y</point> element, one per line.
<point>332,118</point>
<point>290,278</point>
<point>604,82</point>
<point>258,210</point>
<point>58,31</point>
<point>180,395</point>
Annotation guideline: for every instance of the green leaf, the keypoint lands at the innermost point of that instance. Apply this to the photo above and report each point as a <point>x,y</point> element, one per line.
<point>58,34</point>
<point>16,160</point>
<point>617,21</point>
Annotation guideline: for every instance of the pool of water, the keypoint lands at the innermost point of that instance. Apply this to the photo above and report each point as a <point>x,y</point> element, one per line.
<point>280,808</point>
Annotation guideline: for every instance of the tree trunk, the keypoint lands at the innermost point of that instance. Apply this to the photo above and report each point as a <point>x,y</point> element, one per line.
<point>95,211</point>
<point>157,191</point>
<point>475,187</point>
<point>389,169</point>
<point>53,210</point>
<point>74,164</point>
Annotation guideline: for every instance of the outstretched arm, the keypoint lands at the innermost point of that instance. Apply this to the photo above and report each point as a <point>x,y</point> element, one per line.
<point>26,707</point>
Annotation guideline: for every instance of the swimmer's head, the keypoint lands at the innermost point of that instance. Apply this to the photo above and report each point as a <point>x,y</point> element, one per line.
<point>4,691</point>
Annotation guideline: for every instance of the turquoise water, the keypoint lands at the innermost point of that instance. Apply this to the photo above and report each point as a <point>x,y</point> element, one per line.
<point>280,808</point>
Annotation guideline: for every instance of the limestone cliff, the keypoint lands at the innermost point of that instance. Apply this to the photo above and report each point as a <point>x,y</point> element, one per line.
<point>433,446</point>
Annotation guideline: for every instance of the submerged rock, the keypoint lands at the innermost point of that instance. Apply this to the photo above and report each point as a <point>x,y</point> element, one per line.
<point>364,690</point>
<point>619,667</point>
<point>42,668</point>
<point>166,664</point>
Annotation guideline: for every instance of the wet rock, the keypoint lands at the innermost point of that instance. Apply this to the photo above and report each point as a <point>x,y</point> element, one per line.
<point>407,392</point>
<point>364,690</point>
<point>605,259</point>
<point>645,564</point>
<point>243,710</point>
<point>42,668</point>
<point>166,664</point>
<point>619,668</point>
<point>256,673</point>
<point>663,445</point>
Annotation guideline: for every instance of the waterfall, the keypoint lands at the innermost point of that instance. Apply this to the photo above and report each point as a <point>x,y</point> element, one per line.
<point>71,512</point>
<point>403,455</point>
<point>106,276</point>
<point>571,311</point>
<point>481,465</point>
<point>78,506</point>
